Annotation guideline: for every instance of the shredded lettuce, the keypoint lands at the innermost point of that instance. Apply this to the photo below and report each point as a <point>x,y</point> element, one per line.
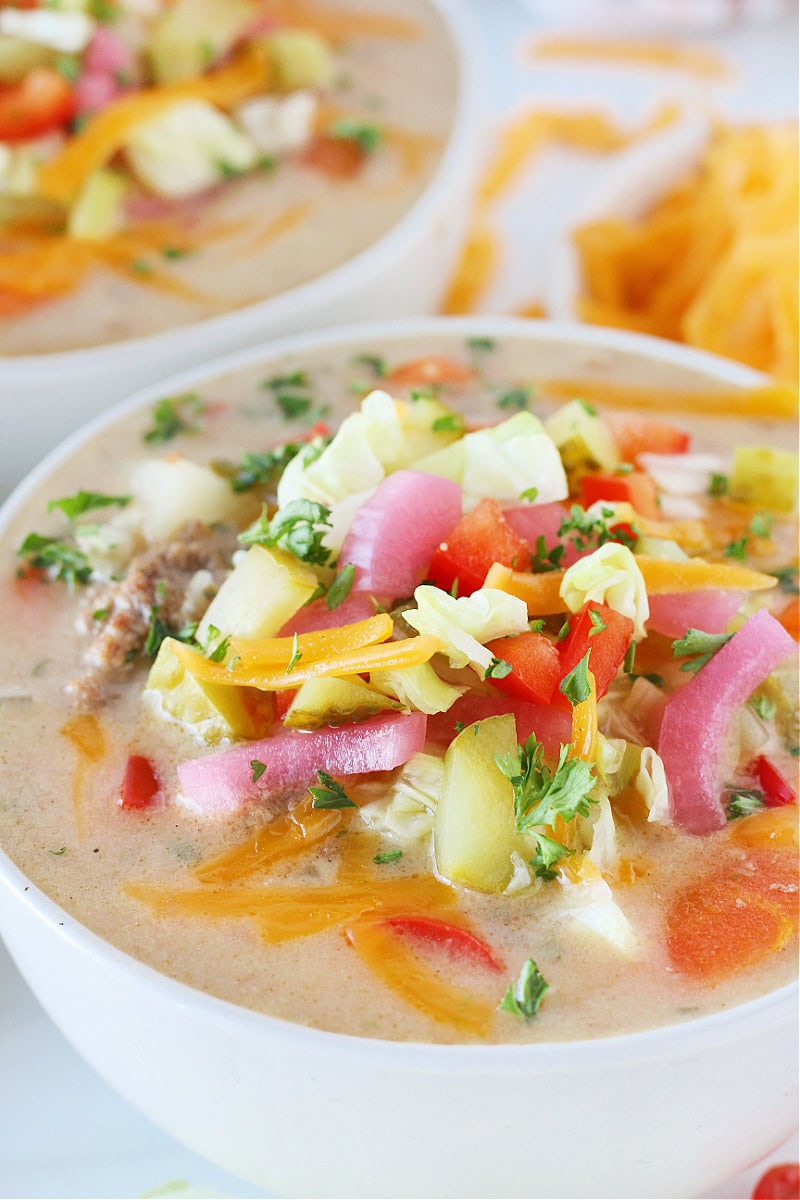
<point>418,687</point>
<point>610,575</point>
<point>188,148</point>
<point>650,782</point>
<point>409,809</point>
<point>511,458</point>
<point>590,903</point>
<point>463,624</point>
<point>347,465</point>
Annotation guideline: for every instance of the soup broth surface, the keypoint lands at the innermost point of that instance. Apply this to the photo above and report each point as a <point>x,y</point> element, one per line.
<point>61,766</point>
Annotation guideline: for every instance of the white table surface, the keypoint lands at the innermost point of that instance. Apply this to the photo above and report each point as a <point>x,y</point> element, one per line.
<point>63,1132</point>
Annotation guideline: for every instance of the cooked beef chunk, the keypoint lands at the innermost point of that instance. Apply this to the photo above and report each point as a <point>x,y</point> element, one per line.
<point>177,579</point>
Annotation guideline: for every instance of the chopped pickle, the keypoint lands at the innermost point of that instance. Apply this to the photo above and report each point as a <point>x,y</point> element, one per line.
<point>211,712</point>
<point>764,477</point>
<point>474,834</point>
<point>334,702</point>
<point>191,35</point>
<point>263,591</point>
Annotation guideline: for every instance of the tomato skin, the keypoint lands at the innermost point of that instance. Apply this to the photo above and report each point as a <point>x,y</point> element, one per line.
<point>141,787</point>
<point>535,666</point>
<point>42,101</point>
<point>781,1182</point>
<point>637,488</point>
<point>480,538</point>
<point>776,789</point>
<point>607,647</point>
<point>643,435</point>
<point>456,940</point>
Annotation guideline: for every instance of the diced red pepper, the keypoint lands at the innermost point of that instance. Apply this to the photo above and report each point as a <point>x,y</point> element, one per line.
<point>141,787</point>
<point>535,666</point>
<point>776,789</point>
<point>459,942</point>
<point>637,488</point>
<point>337,157</point>
<point>781,1182</point>
<point>642,435</point>
<point>283,701</point>
<point>481,538</point>
<point>43,100</point>
<point>606,637</point>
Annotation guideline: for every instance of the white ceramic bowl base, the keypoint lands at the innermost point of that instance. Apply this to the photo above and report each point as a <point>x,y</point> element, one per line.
<point>666,1113</point>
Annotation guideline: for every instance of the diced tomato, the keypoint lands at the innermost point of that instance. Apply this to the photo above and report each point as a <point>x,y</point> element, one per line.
<point>141,787</point>
<point>776,789</point>
<point>535,666</point>
<point>789,616</point>
<point>481,538</point>
<point>781,1182</point>
<point>430,371</point>
<point>340,158</point>
<point>551,725</point>
<point>459,942</point>
<point>283,702</point>
<point>637,488</point>
<point>606,637</point>
<point>42,101</point>
<point>641,435</point>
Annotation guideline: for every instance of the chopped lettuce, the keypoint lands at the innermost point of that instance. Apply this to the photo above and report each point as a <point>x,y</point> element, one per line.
<point>187,148</point>
<point>463,624</point>
<point>590,904</point>
<point>511,458</point>
<point>418,687</point>
<point>650,782</point>
<point>408,810</point>
<point>610,575</point>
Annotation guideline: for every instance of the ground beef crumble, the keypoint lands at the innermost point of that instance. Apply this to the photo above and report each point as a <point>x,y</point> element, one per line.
<point>178,578</point>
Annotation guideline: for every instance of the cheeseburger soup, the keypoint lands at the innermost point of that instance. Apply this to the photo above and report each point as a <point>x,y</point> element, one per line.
<point>164,163</point>
<point>405,691</point>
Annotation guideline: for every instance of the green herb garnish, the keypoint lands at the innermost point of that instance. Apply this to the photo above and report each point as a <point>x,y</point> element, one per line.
<point>718,484</point>
<point>741,802</point>
<point>329,794</point>
<point>543,559</point>
<point>575,685</point>
<point>173,416</point>
<point>339,590</point>
<point>591,532</point>
<point>297,654</point>
<point>217,645</point>
<point>367,137</point>
<point>258,768</point>
<point>82,502</point>
<point>388,856</point>
<point>59,557</point>
<point>701,646</point>
<point>763,707</point>
<point>761,525</point>
<point>736,548</point>
<point>451,423</point>
<point>298,528</point>
<point>497,669</point>
<point>524,997</point>
<point>515,400</point>
<point>597,622</point>
<point>787,578</point>
<point>480,345</point>
<point>529,494</point>
<point>376,364</point>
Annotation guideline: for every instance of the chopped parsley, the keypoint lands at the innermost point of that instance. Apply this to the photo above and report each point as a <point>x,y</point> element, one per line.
<point>650,676</point>
<point>58,556</point>
<point>297,528</point>
<point>525,996</point>
<point>597,623</point>
<point>629,659</point>
<point>260,469</point>
<point>339,590</point>
<point>217,645</point>
<point>291,394</point>
<point>587,408</point>
<point>481,345</point>
<point>173,416</point>
<point>541,795</point>
<point>763,707</point>
<point>329,794</point>
<point>736,548</point>
<point>367,137</point>
<point>741,802</point>
<point>575,685</point>
<point>258,768</point>
<point>592,532</point>
<point>388,856</point>
<point>297,654</point>
<point>698,648</point>
<point>529,494</point>
<point>623,468</point>
<point>451,423</point>
<point>57,853</point>
<point>718,484</point>
<point>761,525</point>
<point>537,625</point>
<point>158,630</point>
<point>787,580</point>
<point>175,252</point>
<point>67,66</point>
<point>83,502</point>
<point>227,169</point>
<point>497,669</point>
<point>377,365</point>
<point>459,726</point>
<point>543,559</point>
<point>563,631</point>
<point>515,400</point>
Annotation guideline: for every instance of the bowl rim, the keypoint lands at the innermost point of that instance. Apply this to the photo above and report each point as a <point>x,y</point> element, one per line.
<point>457,156</point>
<point>723,1025</point>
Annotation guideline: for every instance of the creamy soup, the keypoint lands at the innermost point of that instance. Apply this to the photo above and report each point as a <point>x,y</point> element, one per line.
<point>520,828</point>
<point>207,157</point>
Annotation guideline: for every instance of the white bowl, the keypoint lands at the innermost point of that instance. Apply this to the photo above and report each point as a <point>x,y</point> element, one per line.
<point>402,274</point>
<point>669,1112</point>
